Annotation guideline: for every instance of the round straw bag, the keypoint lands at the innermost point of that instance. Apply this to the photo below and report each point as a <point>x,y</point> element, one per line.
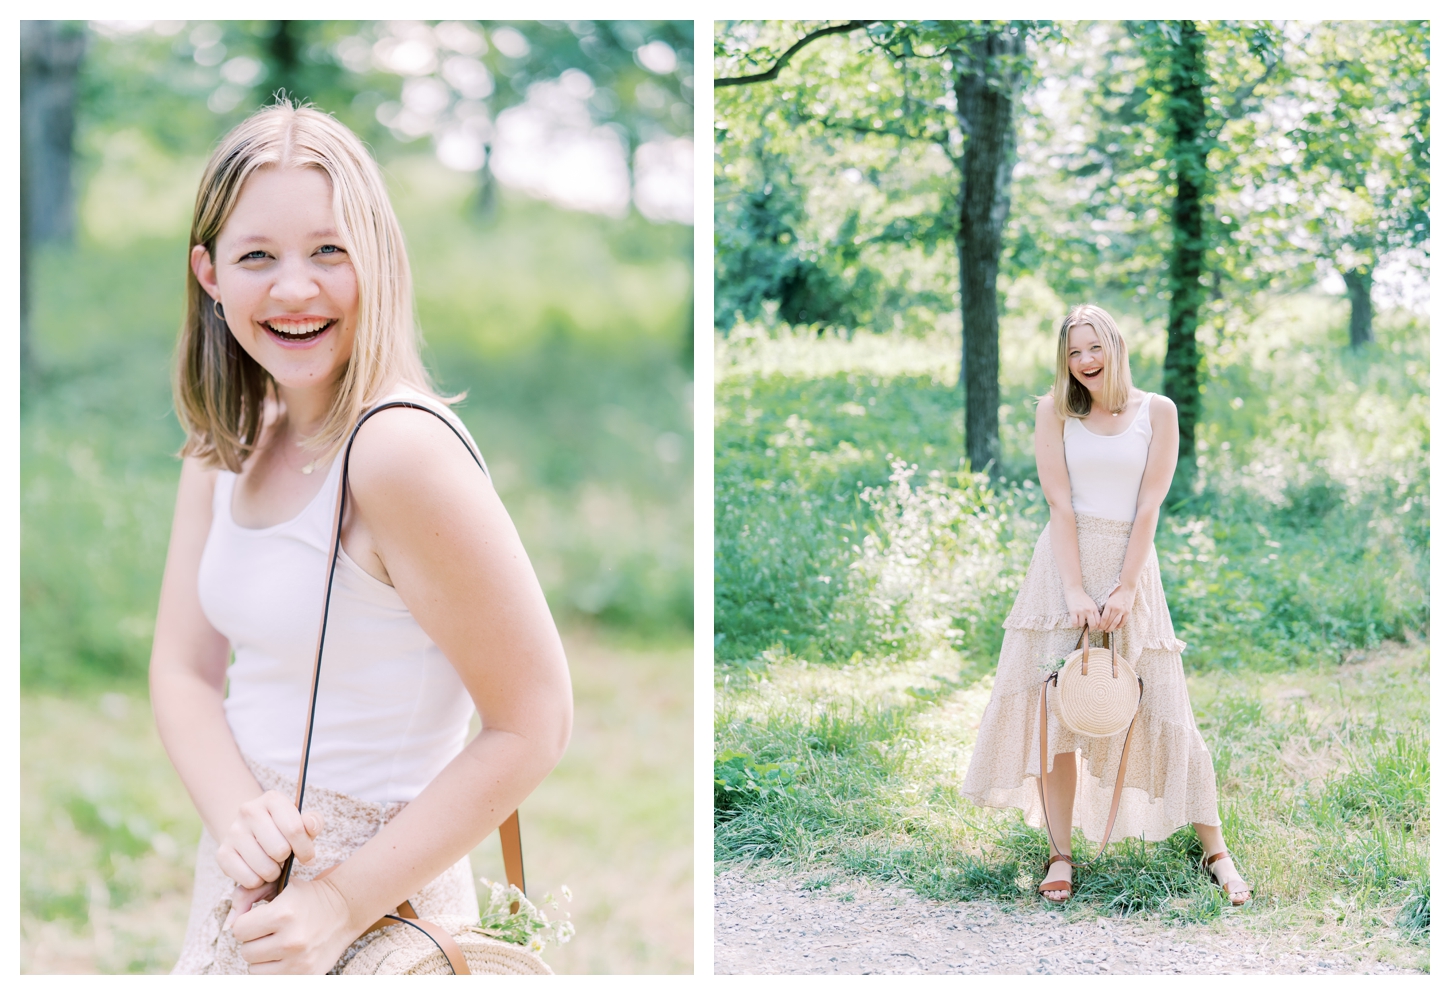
<point>404,948</point>
<point>1097,692</point>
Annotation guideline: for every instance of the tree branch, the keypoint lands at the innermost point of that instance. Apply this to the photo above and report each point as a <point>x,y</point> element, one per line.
<point>937,138</point>
<point>780,63</point>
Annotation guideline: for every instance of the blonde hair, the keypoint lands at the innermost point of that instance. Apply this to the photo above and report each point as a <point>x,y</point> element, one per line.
<point>1070,399</point>
<point>219,389</point>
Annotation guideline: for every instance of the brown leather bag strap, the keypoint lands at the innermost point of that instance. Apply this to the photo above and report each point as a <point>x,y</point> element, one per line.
<point>509,831</point>
<point>513,854</point>
<point>1122,772</point>
<point>1042,767</point>
<point>441,938</point>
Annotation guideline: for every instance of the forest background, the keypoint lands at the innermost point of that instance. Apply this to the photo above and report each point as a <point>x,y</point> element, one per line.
<point>904,211</point>
<point>542,175</point>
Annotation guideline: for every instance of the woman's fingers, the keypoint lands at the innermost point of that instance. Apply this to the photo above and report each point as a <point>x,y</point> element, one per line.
<point>289,828</point>
<point>273,830</point>
<point>235,867</point>
<point>244,898</point>
<point>259,861</point>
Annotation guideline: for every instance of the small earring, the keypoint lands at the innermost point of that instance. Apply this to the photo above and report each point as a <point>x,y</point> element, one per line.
<point>216,307</point>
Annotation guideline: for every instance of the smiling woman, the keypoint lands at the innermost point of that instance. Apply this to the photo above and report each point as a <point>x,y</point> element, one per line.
<point>1095,568</point>
<point>298,329</point>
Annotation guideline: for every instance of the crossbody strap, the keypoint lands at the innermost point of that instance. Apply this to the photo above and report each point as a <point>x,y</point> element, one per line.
<point>508,831</point>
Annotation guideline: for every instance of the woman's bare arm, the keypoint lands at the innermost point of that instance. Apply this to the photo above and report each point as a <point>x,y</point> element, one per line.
<point>454,557</point>
<point>1056,488</point>
<point>1157,477</point>
<point>255,831</point>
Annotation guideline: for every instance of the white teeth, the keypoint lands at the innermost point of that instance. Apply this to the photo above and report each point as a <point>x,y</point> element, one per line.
<point>298,331</point>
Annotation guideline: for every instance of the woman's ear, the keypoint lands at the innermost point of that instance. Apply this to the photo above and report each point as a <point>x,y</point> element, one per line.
<point>205,271</point>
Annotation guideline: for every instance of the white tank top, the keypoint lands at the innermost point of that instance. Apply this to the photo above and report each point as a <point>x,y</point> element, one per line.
<point>1105,471</point>
<point>391,710</point>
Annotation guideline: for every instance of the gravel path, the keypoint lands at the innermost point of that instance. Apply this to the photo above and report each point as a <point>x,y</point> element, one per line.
<point>773,926</point>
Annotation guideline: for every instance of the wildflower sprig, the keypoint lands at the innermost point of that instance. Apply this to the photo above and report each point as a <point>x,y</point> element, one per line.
<point>530,926</point>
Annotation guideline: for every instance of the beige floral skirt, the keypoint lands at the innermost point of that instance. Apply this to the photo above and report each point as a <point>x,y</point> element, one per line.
<point>209,948</point>
<point>1170,780</point>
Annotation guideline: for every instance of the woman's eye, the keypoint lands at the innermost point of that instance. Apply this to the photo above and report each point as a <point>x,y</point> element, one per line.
<point>255,254</point>
<point>330,250</point>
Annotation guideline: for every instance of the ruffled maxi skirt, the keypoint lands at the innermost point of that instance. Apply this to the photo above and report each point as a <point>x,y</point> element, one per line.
<point>1170,780</point>
<point>210,948</point>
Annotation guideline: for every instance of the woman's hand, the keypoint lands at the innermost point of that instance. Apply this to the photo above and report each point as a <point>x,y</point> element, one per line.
<point>1115,611</point>
<point>304,930</point>
<point>1083,609</point>
<point>267,829</point>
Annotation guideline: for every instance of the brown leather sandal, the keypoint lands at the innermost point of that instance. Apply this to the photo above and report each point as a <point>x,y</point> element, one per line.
<point>1227,886</point>
<point>1047,886</point>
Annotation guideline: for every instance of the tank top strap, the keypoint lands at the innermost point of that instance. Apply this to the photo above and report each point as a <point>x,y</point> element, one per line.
<point>1143,408</point>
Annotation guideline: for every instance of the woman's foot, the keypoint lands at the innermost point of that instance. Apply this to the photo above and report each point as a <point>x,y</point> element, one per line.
<point>1059,872</point>
<point>1226,876</point>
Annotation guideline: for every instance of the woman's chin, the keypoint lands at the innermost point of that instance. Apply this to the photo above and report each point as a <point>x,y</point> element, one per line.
<point>296,376</point>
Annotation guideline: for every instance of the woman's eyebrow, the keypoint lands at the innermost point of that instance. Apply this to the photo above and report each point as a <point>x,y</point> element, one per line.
<point>256,239</point>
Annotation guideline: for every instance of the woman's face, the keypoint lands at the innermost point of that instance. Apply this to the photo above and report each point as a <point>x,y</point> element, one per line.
<point>1085,357</point>
<point>285,282</point>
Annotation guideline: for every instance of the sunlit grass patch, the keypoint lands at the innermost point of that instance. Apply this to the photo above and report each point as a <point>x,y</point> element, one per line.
<point>875,795</point>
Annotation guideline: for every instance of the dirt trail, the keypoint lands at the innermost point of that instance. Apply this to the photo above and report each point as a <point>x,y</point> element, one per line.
<point>774,926</point>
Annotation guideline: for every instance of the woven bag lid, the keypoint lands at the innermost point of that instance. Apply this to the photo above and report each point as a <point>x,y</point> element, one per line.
<point>1096,703</point>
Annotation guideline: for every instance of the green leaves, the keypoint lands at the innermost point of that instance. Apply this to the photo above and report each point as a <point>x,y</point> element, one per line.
<point>740,780</point>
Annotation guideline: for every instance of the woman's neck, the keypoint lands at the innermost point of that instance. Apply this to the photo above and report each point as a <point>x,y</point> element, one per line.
<point>306,408</point>
<point>1099,407</point>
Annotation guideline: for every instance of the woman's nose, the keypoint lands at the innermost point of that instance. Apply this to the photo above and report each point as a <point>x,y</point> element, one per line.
<point>294,282</point>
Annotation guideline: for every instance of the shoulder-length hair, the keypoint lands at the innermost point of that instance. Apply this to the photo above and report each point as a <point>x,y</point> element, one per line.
<point>1070,399</point>
<point>219,389</point>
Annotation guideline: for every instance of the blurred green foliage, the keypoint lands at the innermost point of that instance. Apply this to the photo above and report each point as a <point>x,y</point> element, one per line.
<point>837,184</point>
<point>568,331</point>
<point>185,82</point>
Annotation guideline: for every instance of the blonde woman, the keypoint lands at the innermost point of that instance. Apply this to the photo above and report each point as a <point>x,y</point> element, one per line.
<point>299,318</point>
<point>1105,458</point>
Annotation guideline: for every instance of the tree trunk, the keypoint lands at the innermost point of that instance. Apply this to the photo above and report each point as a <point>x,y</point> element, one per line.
<point>1188,128</point>
<point>50,60</point>
<point>985,84</point>
<point>1358,282</point>
<point>282,49</point>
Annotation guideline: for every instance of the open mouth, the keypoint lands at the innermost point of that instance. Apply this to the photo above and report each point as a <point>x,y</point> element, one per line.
<point>298,332</point>
<point>1089,374</point>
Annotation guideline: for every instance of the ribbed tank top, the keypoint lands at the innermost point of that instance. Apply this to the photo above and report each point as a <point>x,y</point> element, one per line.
<point>1105,471</point>
<point>391,710</point>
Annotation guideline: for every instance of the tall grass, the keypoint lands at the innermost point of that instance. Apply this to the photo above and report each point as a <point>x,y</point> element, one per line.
<point>862,577</point>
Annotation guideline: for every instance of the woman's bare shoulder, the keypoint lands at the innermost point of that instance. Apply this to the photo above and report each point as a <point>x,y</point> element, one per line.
<point>198,476</point>
<point>405,450</point>
<point>1047,409</point>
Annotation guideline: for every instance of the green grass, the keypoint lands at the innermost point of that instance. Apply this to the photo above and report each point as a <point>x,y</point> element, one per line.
<point>861,580</point>
<point>108,834</point>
